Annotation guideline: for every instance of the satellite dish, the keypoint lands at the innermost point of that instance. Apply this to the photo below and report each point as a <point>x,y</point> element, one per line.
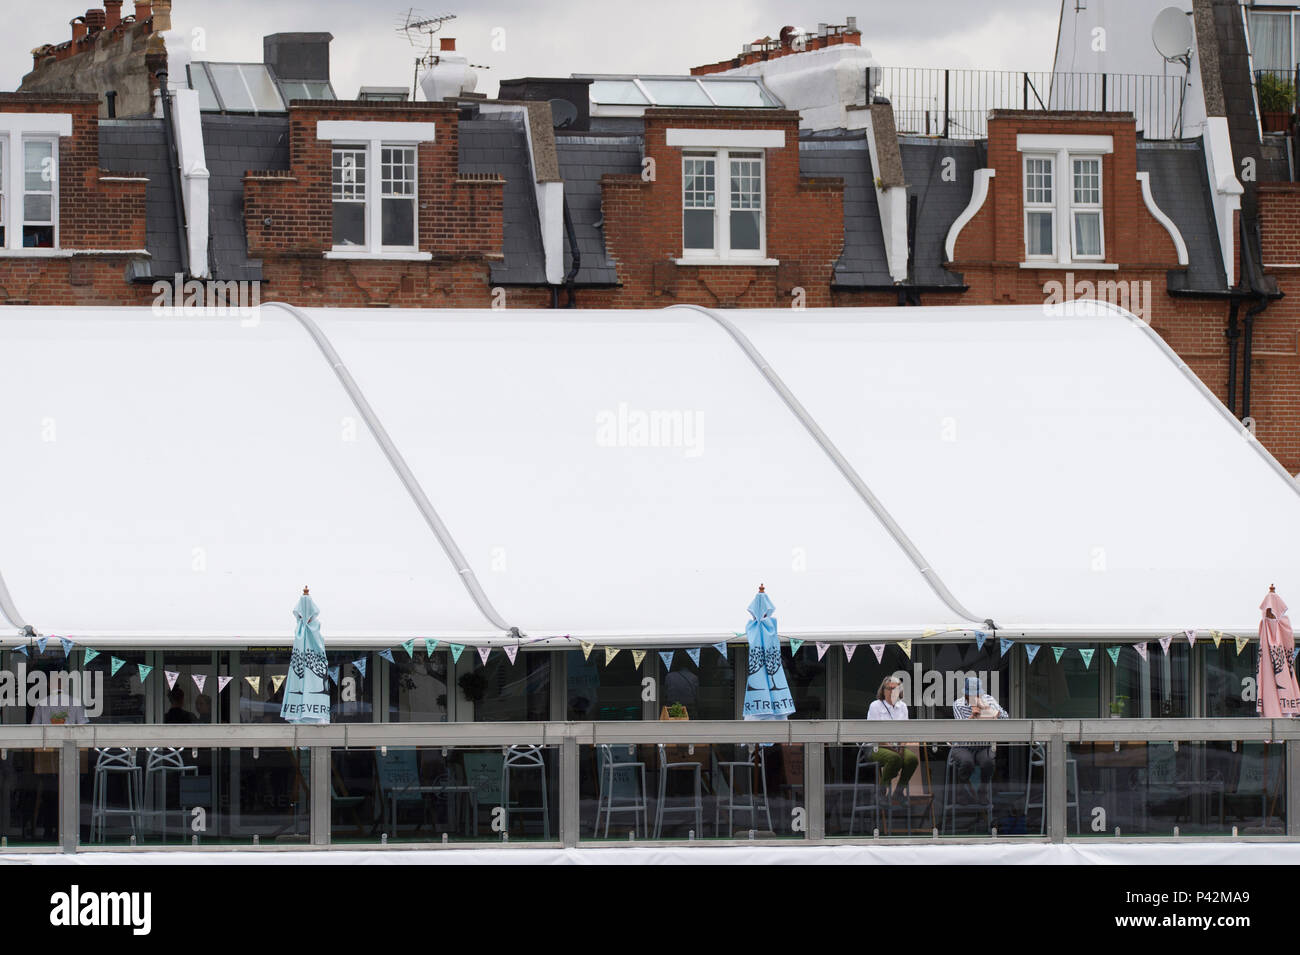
<point>1172,35</point>
<point>563,113</point>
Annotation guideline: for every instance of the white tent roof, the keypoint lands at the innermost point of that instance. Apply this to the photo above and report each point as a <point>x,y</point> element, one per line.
<point>622,476</point>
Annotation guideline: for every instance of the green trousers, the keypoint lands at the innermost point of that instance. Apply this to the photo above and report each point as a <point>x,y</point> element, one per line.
<point>891,762</point>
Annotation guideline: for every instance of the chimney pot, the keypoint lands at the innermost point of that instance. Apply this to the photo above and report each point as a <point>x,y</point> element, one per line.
<point>78,30</point>
<point>852,24</point>
<point>448,44</point>
<point>161,11</point>
<point>143,10</point>
<point>112,13</point>
<point>94,21</point>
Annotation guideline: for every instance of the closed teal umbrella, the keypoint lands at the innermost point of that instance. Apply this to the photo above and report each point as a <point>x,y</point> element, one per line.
<point>767,694</point>
<point>306,699</point>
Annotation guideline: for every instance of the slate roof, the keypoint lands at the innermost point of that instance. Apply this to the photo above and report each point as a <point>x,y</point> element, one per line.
<point>846,156</point>
<point>235,145</point>
<point>939,201</point>
<point>496,143</point>
<point>138,146</point>
<point>1181,189</point>
<point>584,158</point>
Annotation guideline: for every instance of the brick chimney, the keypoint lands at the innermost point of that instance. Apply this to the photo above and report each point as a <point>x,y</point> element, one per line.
<point>95,21</point>
<point>161,11</point>
<point>112,13</point>
<point>143,10</point>
<point>789,42</point>
<point>78,30</point>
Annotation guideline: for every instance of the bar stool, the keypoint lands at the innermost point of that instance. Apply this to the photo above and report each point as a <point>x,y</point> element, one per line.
<point>1038,757</point>
<point>982,804</point>
<point>610,763</point>
<point>864,765</point>
<point>696,808</point>
<point>159,761</point>
<point>747,768</point>
<point>525,759</point>
<point>114,761</point>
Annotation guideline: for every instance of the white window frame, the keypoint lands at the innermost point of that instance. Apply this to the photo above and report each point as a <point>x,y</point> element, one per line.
<point>722,252</point>
<point>1048,207</point>
<point>1097,207</point>
<point>1063,150</point>
<point>13,190</point>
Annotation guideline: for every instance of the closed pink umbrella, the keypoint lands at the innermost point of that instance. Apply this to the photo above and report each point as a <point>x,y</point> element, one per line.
<point>1275,678</point>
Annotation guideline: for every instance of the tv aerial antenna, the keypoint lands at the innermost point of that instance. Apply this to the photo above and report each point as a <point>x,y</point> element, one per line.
<point>420,31</point>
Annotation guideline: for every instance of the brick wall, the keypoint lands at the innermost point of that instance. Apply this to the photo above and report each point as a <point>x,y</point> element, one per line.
<point>1275,364</point>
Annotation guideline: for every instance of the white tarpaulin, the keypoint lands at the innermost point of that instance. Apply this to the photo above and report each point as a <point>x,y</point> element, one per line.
<point>622,475</point>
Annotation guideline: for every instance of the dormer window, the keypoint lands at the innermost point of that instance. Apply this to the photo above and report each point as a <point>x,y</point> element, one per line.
<point>29,181</point>
<point>1063,210</point>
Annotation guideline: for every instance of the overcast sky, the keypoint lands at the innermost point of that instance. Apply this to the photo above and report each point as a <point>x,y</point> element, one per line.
<point>577,36</point>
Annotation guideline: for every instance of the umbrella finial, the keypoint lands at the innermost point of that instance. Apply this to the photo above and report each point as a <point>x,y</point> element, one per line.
<point>760,588</point>
<point>1272,589</point>
<point>305,591</point>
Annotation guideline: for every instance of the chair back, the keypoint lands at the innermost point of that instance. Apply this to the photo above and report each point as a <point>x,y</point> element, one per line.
<point>524,757</point>
<point>115,758</point>
<point>164,757</point>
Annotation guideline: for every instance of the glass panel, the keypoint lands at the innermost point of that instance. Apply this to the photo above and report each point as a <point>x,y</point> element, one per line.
<point>1157,686</point>
<point>708,692</point>
<point>260,699</point>
<point>398,222</point>
<point>37,208</point>
<point>348,173</point>
<point>1087,181</point>
<point>38,171</point>
<point>29,797</point>
<point>617,93</point>
<point>746,232</point>
<point>305,89</point>
<point>265,96</point>
<point>699,182</point>
<point>736,94</point>
<point>863,676</point>
<point>1270,41</point>
<point>349,223</point>
<point>697,229</point>
<point>685,791</point>
<point>600,691</point>
<point>199,81</point>
<point>502,690</point>
<point>418,688</point>
<point>1230,678</point>
<point>1041,226</point>
<point>676,93</point>
<point>1038,180</point>
<point>185,701</point>
<point>807,678</point>
<point>1069,689</point>
<point>938,677</point>
<point>230,85</point>
<point>397,171</point>
<point>1087,233</point>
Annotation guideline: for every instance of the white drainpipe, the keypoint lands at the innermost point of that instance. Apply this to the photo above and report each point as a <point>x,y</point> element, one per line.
<point>188,132</point>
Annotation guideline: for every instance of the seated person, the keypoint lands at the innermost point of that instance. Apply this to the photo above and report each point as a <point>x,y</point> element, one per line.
<point>975,705</point>
<point>893,758</point>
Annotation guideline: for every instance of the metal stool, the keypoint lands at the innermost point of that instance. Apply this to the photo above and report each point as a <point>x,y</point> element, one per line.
<point>524,759</point>
<point>864,764</point>
<point>752,807</point>
<point>159,761</point>
<point>610,763</point>
<point>696,808</point>
<point>1038,757</point>
<point>114,761</point>
<point>951,805</point>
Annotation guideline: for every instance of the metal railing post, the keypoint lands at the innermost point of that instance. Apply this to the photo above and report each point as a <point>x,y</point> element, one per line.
<point>945,104</point>
<point>1103,92</point>
<point>69,797</point>
<point>1056,787</point>
<point>1292,788</point>
<point>814,790</point>
<point>322,803</point>
<point>570,819</point>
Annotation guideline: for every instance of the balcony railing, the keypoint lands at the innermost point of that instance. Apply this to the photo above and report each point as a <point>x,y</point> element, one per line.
<point>1275,91</point>
<point>956,103</point>
<point>277,786</point>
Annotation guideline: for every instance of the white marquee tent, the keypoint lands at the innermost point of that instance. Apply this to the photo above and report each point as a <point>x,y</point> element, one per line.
<point>623,476</point>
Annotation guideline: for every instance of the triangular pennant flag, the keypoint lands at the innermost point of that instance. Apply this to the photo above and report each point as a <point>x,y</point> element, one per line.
<point>980,637</point>
<point>879,650</point>
<point>387,654</point>
<point>67,645</point>
<point>1113,653</point>
<point>906,647</point>
<point>1191,637</point>
<point>667,657</point>
<point>334,674</point>
<point>21,648</point>
<point>255,682</point>
<point>456,650</point>
<point>90,655</point>
<point>511,650</point>
<point>610,654</point>
<point>721,647</point>
<point>40,644</point>
<point>409,647</point>
<point>361,663</point>
<point>694,654</point>
<point>849,649</point>
<point>222,683</point>
<point>483,654</point>
<point>115,665</point>
<point>171,675</point>
<point>637,657</point>
<point>821,649</point>
<point>144,671</point>
<point>199,679</point>
<point>1005,645</point>
<point>1087,657</point>
<point>1031,650</point>
<point>586,649</point>
<point>929,633</point>
<point>738,635</point>
<point>1164,643</point>
<point>794,646</point>
<point>1218,638</point>
<point>1241,644</point>
<point>429,646</point>
<point>1141,648</point>
<point>276,680</point>
<point>1058,651</point>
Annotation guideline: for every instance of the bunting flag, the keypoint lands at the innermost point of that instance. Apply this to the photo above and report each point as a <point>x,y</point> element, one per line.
<point>1164,644</point>
<point>255,682</point>
<point>1141,648</point>
<point>1005,644</point>
<point>1113,653</point>
<point>222,683</point>
<point>171,675</point>
<point>821,649</point>
<point>980,637</point>
<point>738,636</point>
<point>360,663</point>
<point>512,650</point>
<point>722,647</point>
<point>906,647</point>
<point>144,671</point>
<point>334,674</point>
<point>116,664</point>
<point>637,657</point>
<point>200,679</point>
<point>1087,657</point>
<point>429,646</point>
<point>879,650</point>
<point>387,655</point>
<point>1241,644</point>
<point>276,680</point>
<point>667,657</point>
<point>610,654</point>
<point>40,644</point>
<point>1218,638</point>
<point>21,648</point>
<point>1191,637</point>
<point>483,654</point>
<point>67,645</point>
<point>1031,649</point>
<point>794,646</point>
<point>929,633</point>
<point>586,650</point>
<point>1058,651</point>
<point>694,654</point>
<point>409,647</point>
<point>90,655</point>
<point>849,649</point>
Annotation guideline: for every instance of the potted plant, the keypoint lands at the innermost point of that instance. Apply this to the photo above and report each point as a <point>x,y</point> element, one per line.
<point>674,712</point>
<point>59,717</point>
<point>1117,707</point>
<point>1276,102</point>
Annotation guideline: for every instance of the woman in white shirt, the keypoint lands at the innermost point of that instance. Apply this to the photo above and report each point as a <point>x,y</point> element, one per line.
<point>893,758</point>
